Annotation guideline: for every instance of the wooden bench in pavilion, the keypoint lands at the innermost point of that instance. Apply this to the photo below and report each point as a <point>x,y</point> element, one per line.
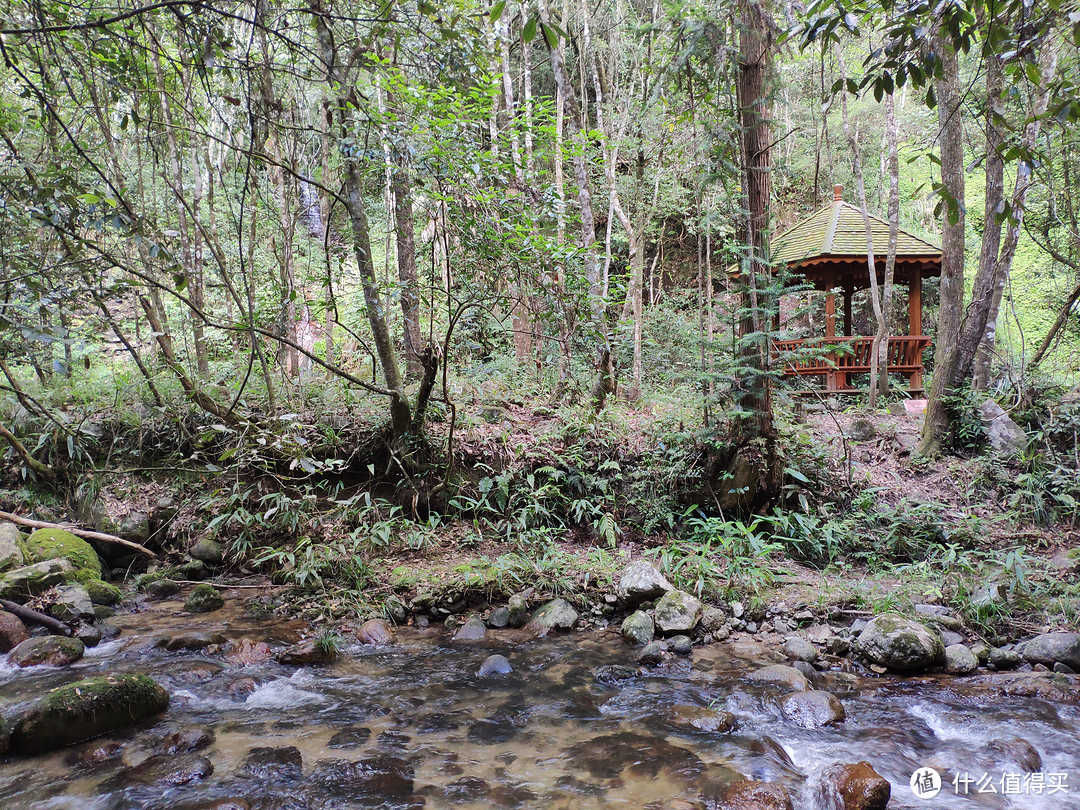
<point>828,250</point>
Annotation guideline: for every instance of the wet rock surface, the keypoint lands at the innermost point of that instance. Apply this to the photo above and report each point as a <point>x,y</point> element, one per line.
<point>813,709</point>
<point>53,651</point>
<point>87,709</point>
<point>375,631</point>
<point>901,644</point>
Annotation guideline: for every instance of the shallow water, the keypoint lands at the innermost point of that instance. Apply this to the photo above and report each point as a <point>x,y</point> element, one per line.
<point>546,736</point>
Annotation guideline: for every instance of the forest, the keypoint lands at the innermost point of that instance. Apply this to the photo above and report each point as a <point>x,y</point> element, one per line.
<point>739,337</point>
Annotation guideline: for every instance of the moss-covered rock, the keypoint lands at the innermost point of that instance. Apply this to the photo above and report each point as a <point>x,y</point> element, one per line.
<point>102,593</point>
<point>56,651</point>
<point>87,709</point>
<point>901,644</point>
<point>11,555</point>
<point>5,736</point>
<point>204,599</point>
<point>28,580</point>
<point>49,544</point>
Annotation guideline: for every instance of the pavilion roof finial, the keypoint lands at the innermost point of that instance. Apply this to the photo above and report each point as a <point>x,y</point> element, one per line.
<point>838,192</point>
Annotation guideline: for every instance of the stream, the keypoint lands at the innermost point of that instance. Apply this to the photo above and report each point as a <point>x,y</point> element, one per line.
<point>410,725</point>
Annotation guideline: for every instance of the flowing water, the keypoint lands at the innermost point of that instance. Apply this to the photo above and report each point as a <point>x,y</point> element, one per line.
<point>410,725</point>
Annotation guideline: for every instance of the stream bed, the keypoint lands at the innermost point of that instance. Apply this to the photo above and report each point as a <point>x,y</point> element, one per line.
<point>410,725</point>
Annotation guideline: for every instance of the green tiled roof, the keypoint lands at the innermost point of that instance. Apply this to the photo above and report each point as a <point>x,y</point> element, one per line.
<point>838,230</point>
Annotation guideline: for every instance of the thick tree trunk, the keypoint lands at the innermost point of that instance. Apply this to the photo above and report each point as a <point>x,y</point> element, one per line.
<point>755,387</point>
<point>951,142</point>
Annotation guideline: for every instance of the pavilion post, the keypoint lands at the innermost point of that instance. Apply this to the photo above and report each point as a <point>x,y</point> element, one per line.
<point>832,382</point>
<point>915,379</point>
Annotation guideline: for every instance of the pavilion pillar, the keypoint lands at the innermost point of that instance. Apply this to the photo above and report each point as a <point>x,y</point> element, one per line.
<point>832,381</point>
<point>915,379</point>
<point>848,293</point>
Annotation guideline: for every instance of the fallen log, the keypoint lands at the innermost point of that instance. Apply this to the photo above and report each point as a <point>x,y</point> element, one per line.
<point>35,617</point>
<point>86,534</point>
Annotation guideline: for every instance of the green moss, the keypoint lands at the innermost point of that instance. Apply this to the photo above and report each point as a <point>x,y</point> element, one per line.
<point>102,593</point>
<point>48,544</point>
<point>86,709</point>
<point>204,598</point>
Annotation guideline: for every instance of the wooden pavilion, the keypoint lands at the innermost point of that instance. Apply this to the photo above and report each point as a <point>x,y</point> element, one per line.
<point>828,250</point>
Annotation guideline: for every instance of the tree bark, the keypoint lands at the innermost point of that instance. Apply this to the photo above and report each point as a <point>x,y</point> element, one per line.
<point>755,386</point>
<point>951,143</point>
<point>893,213</point>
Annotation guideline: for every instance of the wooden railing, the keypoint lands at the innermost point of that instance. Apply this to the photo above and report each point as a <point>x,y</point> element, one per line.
<point>840,356</point>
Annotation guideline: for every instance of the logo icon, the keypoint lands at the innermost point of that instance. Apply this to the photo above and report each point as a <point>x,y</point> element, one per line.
<point>926,783</point>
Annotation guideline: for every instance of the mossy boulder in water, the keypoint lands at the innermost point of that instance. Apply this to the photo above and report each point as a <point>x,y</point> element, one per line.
<point>204,599</point>
<point>677,612</point>
<point>901,644</point>
<point>55,651</point>
<point>87,709</point>
<point>50,544</point>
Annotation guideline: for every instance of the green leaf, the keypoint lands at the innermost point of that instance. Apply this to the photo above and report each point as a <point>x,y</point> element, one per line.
<point>528,34</point>
<point>497,10</point>
<point>550,35</point>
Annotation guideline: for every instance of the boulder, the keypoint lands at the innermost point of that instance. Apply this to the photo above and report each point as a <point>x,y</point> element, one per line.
<point>746,794</point>
<point>1051,648</point>
<point>637,628</point>
<point>51,544</point>
<point>901,644</point>
<point>494,665</point>
<point>87,709</point>
<point>70,603</point>
<point>18,583</point>
<point>11,555</point>
<point>499,618</point>
<point>5,736</point>
<point>702,718</point>
<point>162,588</point>
<point>164,771</point>
<point>680,645</point>
<point>306,653</point>
<point>652,653</point>
<point>208,551</point>
<point>677,612</point>
<point>102,593</point>
<point>473,630</point>
<point>798,648</point>
<point>1002,659</point>
<point>1004,435</point>
<point>282,763</point>
<point>12,631</point>
<point>640,582</point>
<point>519,611</point>
<point>558,614</point>
<point>53,651</point>
<point>1018,752</point>
<point>89,634</point>
<point>854,786</point>
<point>368,782</point>
<point>395,610</point>
<point>375,631</point>
<point>191,640</point>
<point>861,429</point>
<point>204,598</point>
<point>812,709</point>
<point>779,675</point>
<point>615,673</point>
<point>959,660</point>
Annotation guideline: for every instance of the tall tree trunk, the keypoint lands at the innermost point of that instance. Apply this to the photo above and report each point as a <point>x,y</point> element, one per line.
<point>893,213</point>
<point>871,262</point>
<point>755,394</point>
<point>951,144</point>
<point>352,179</point>
<point>1048,60</point>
